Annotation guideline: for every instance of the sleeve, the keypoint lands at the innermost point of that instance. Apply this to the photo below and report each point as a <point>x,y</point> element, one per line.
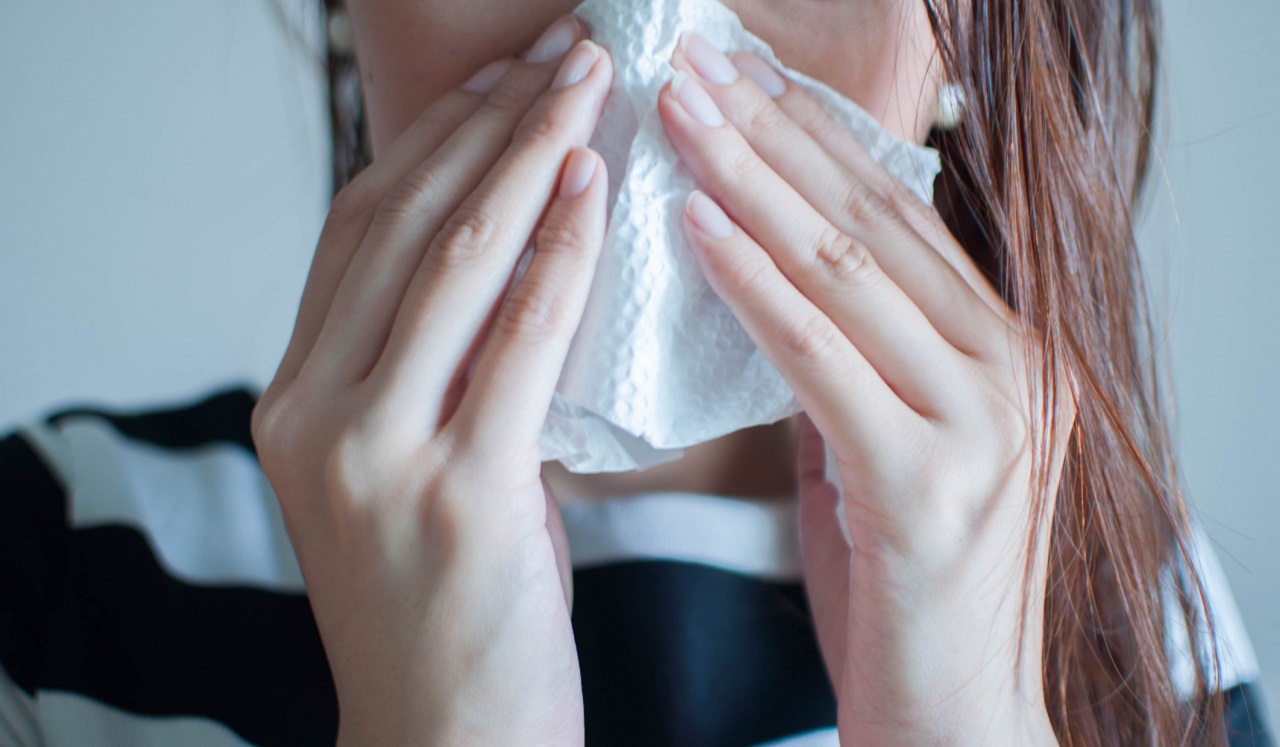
<point>18,724</point>
<point>1244,710</point>
<point>33,545</point>
<point>1245,714</point>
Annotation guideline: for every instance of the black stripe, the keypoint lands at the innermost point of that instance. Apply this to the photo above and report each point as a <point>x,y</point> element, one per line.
<point>129,635</point>
<point>33,549</point>
<point>1246,717</point>
<point>222,417</point>
<point>682,654</point>
<point>671,653</point>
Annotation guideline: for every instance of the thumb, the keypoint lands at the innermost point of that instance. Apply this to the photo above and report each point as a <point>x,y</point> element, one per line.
<point>824,555</point>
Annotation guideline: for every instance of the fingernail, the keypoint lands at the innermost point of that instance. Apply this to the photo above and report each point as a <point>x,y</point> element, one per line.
<point>555,41</point>
<point>707,216</point>
<point>488,77</point>
<point>695,100</point>
<point>578,170</point>
<point>761,72</point>
<point>576,66</point>
<point>709,62</point>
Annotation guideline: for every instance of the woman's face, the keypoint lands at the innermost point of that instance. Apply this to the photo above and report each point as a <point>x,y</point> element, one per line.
<point>876,52</point>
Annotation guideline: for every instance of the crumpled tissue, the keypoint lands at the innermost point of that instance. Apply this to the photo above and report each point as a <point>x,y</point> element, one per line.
<point>659,363</point>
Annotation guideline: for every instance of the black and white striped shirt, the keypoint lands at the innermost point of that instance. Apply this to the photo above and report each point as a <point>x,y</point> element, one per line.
<point>150,596</point>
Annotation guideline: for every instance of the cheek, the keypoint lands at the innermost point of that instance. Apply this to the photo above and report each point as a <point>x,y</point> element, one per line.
<point>412,52</point>
<point>875,52</point>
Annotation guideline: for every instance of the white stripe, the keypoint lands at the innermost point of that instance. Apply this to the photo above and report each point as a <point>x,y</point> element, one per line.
<point>72,720</point>
<point>208,512</point>
<point>212,518</point>
<point>821,738</point>
<point>756,538</point>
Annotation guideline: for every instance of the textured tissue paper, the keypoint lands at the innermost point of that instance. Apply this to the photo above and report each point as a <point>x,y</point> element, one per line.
<point>659,362</point>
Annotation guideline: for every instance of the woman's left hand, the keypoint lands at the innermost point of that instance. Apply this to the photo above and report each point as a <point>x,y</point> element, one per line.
<point>915,372</point>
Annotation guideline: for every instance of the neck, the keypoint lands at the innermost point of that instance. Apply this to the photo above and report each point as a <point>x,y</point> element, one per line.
<point>752,463</point>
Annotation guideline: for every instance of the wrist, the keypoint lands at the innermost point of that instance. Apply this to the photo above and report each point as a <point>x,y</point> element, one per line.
<point>939,668</point>
<point>955,720</point>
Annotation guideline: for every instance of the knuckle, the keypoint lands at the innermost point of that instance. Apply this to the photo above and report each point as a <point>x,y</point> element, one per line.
<point>262,427</point>
<point>743,167</point>
<point>814,338</point>
<point>275,427</point>
<point>559,234</point>
<point>763,118</point>
<point>282,435</point>
<point>530,313</point>
<point>864,206</point>
<point>843,259</point>
<point>746,277</point>
<point>416,192</point>
<point>465,236</point>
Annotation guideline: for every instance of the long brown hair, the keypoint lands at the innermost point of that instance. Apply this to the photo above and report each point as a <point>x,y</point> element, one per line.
<point>1040,184</point>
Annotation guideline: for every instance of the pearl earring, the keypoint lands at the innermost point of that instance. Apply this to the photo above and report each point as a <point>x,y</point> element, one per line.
<point>342,40</point>
<point>950,111</point>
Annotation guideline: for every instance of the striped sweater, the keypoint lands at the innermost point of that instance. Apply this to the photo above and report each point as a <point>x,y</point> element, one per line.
<point>149,595</point>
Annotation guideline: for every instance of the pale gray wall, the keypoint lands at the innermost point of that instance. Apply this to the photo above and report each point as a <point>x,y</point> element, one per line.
<point>1214,259</point>
<point>163,173</point>
<point>164,179</point>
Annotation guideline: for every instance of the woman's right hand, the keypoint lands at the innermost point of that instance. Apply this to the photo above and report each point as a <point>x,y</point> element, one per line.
<point>401,430</point>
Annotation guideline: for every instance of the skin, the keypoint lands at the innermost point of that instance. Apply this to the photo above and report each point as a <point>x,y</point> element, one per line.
<point>427,529</point>
<point>876,52</point>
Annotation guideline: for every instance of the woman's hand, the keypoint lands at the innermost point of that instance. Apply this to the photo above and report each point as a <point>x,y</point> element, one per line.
<point>401,430</point>
<point>913,370</point>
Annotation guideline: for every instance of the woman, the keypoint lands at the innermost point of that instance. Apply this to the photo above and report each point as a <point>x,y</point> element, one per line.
<point>978,377</point>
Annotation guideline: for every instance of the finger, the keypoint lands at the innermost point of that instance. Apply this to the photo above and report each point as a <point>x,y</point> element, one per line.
<point>411,211</point>
<point>804,112</point>
<point>824,556</point>
<point>466,269</point>
<point>849,400</point>
<point>831,269</point>
<point>866,212</point>
<point>507,399</point>
<point>353,209</point>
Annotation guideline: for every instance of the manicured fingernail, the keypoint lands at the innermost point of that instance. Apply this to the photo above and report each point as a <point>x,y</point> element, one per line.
<point>695,100</point>
<point>555,41</point>
<point>578,170</point>
<point>761,72</point>
<point>707,216</point>
<point>709,62</point>
<point>576,66</point>
<point>488,77</point>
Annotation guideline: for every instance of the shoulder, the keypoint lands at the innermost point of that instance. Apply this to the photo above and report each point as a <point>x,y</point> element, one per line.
<point>183,478</point>
<point>145,572</point>
<point>87,467</point>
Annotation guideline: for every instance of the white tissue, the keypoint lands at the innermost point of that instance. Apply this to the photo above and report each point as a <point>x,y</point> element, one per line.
<point>659,363</point>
